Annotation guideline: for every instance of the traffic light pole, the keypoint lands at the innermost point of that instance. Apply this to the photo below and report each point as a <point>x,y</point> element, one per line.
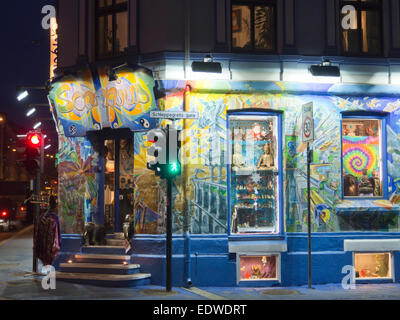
<point>36,219</point>
<point>169,236</point>
<point>169,223</point>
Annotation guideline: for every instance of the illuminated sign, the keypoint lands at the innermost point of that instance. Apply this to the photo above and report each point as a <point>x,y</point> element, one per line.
<point>89,102</point>
<point>53,46</point>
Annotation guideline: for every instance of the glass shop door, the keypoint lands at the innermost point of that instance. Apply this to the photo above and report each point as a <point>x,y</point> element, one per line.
<point>118,183</point>
<point>254,173</point>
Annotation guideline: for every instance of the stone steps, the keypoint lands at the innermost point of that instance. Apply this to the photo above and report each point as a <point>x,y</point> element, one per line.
<point>107,266</point>
<point>106,280</point>
<point>100,268</point>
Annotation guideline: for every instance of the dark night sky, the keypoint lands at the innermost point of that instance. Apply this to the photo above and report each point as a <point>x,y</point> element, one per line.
<point>24,57</point>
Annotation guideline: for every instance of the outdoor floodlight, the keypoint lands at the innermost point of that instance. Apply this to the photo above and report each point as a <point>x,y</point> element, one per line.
<point>30,112</point>
<point>37,125</point>
<point>22,95</point>
<point>325,69</point>
<point>207,65</point>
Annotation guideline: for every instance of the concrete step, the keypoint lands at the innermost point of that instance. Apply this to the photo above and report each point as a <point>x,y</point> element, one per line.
<point>102,268</point>
<point>106,280</point>
<point>119,236</point>
<point>115,242</point>
<point>102,258</point>
<point>118,250</point>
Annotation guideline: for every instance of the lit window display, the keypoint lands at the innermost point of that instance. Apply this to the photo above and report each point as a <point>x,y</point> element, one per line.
<point>258,268</point>
<point>362,158</point>
<point>254,174</point>
<point>372,265</point>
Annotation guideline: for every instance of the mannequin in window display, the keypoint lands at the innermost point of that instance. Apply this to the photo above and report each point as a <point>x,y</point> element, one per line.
<point>237,158</point>
<point>365,187</point>
<point>377,184</point>
<point>267,159</point>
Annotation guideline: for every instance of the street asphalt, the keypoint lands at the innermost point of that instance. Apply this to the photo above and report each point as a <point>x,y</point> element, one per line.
<point>17,282</point>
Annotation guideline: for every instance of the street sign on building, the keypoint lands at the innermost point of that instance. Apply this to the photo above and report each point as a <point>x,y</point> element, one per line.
<point>307,127</point>
<point>174,115</point>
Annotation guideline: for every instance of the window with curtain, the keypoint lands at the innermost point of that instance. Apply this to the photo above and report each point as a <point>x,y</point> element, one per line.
<point>111,27</point>
<point>253,25</point>
<point>361,27</point>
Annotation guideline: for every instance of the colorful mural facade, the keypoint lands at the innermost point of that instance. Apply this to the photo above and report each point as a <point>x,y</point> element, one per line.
<point>89,101</point>
<point>78,187</point>
<point>200,194</point>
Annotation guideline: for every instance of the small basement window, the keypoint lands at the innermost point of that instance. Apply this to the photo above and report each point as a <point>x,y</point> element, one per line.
<point>258,267</point>
<point>373,265</point>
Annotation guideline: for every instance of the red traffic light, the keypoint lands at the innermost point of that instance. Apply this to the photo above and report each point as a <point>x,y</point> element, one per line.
<point>4,214</point>
<point>34,139</point>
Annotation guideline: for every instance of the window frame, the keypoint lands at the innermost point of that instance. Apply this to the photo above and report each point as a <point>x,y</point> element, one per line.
<point>374,279</point>
<point>360,6</point>
<point>367,115</point>
<point>106,11</point>
<point>252,4</point>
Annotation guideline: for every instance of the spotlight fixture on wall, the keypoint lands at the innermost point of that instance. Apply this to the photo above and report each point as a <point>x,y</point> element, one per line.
<point>207,65</point>
<point>325,69</point>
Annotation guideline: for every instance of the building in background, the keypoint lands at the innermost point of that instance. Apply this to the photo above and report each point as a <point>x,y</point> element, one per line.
<point>240,206</point>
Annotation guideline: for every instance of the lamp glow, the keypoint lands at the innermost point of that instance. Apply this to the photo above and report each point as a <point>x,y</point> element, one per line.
<point>22,95</point>
<point>30,112</point>
<point>37,125</point>
<point>48,146</point>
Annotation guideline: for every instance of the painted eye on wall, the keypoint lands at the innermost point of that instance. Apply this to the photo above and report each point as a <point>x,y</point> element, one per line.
<point>145,123</point>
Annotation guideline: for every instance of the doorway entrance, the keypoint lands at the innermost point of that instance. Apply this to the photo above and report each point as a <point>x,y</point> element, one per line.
<point>117,174</point>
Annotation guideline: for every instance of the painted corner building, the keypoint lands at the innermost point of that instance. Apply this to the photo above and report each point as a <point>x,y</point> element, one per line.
<point>240,204</point>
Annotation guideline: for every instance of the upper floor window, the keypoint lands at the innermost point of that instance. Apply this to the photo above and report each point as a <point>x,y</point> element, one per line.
<point>361,26</point>
<point>363,156</point>
<point>254,25</point>
<point>111,27</point>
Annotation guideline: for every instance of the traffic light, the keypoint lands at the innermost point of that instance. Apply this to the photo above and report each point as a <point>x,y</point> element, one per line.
<point>174,146</point>
<point>33,152</point>
<point>165,151</point>
<point>158,138</point>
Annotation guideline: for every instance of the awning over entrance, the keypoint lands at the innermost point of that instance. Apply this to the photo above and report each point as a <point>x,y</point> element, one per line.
<point>91,100</point>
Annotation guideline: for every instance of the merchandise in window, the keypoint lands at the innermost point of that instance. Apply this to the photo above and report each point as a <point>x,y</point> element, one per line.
<point>258,268</point>
<point>254,174</point>
<point>372,265</point>
<point>362,158</point>
<point>361,25</point>
<point>253,25</point>
<point>111,27</point>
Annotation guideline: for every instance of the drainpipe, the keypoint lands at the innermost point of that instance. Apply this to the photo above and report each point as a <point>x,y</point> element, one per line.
<point>186,216</point>
<point>188,263</point>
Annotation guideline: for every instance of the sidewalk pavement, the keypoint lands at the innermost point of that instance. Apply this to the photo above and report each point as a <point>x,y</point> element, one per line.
<point>18,283</point>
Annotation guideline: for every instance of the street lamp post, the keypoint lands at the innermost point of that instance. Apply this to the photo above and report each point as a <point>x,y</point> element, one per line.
<point>2,124</point>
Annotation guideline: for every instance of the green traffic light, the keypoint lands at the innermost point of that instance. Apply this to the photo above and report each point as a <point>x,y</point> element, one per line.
<point>174,167</point>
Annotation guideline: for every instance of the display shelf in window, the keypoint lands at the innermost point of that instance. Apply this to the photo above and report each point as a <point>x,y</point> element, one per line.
<point>254,174</point>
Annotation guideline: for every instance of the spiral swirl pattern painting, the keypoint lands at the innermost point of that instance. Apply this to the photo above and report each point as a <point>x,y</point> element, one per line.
<point>360,153</point>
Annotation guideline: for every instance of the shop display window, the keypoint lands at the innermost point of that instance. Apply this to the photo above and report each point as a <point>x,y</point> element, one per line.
<point>258,267</point>
<point>372,265</point>
<point>362,157</point>
<point>254,178</point>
